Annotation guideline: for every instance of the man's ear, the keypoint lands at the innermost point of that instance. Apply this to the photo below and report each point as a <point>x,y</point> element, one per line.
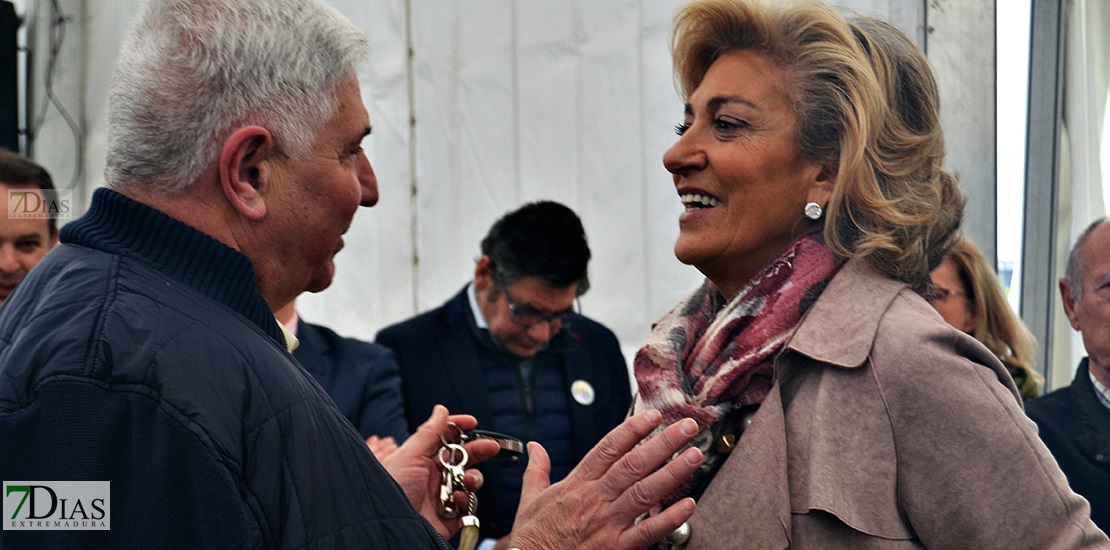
<point>246,169</point>
<point>483,274</point>
<point>1069,303</point>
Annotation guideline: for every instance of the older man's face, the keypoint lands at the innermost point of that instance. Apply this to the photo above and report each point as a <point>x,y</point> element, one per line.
<point>320,194</point>
<point>1090,314</point>
<point>23,242</point>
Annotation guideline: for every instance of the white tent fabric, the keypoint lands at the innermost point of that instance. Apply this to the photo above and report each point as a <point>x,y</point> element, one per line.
<point>1083,146</point>
<point>478,107</point>
<point>568,100</point>
<point>512,102</point>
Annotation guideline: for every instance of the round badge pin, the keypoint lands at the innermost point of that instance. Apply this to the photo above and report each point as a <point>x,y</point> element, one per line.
<point>583,392</point>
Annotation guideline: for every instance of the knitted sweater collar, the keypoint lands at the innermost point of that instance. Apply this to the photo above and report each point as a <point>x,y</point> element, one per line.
<point>119,225</point>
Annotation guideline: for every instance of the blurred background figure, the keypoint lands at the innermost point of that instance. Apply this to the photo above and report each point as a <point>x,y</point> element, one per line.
<point>361,377</point>
<point>511,349</point>
<point>968,294</point>
<point>1074,422</point>
<point>23,242</point>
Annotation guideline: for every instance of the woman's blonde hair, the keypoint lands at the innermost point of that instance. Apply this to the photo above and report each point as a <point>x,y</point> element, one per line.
<point>996,326</point>
<point>866,102</point>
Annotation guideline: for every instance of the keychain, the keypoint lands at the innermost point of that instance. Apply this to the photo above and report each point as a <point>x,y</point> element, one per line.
<point>453,457</point>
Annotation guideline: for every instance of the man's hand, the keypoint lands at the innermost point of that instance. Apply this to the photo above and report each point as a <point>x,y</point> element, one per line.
<point>596,506</point>
<point>381,446</point>
<point>503,543</point>
<point>416,467</point>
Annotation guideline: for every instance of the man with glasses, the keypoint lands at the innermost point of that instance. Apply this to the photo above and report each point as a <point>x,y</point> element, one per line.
<point>512,350</point>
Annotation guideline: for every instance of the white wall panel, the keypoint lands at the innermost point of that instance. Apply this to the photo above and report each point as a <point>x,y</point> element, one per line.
<point>609,172</point>
<point>661,109</point>
<point>374,282</point>
<point>959,34</point>
<point>546,100</point>
<point>465,136</point>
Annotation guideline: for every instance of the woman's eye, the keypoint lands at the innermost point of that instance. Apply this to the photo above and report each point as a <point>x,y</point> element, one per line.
<point>681,128</point>
<point>726,125</point>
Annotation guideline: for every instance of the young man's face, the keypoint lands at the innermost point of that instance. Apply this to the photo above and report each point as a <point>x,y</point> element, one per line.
<point>23,242</point>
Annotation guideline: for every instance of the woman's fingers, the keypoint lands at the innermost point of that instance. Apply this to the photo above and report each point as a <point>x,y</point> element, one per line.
<point>650,530</point>
<point>641,461</point>
<point>616,445</point>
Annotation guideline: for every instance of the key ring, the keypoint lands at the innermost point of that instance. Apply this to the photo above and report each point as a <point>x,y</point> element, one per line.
<point>453,448</point>
<point>453,457</point>
<point>461,436</point>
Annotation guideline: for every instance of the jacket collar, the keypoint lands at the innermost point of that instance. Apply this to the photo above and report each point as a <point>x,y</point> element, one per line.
<point>119,225</point>
<point>1094,419</point>
<point>841,326</point>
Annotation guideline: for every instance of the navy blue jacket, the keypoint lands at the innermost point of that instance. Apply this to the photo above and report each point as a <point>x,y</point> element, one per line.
<point>439,356</point>
<point>139,352</point>
<point>361,377</point>
<point>1075,427</point>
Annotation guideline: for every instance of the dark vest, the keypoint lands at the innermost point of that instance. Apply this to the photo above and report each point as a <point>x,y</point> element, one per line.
<point>530,410</point>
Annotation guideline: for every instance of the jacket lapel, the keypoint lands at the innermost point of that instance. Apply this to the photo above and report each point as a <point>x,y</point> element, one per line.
<point>734,508</point>
<point>1094,422</point>
<point>312,351</point>
<point>749,497</point>
<point>848,314</point>
<point>460,367</point>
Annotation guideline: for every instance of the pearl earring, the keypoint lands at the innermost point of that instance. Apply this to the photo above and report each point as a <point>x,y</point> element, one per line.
<point>813,210</point>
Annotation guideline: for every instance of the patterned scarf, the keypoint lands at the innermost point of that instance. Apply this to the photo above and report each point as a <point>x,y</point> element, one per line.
<point>706,359</point>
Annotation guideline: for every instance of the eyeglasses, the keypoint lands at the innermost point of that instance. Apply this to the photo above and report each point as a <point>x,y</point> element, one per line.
<point>527,317</point>
<point>940,294</point>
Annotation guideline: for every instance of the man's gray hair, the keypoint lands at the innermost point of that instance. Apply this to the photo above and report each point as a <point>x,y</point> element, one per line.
<point>1074,272</point>
<point>192,71</point>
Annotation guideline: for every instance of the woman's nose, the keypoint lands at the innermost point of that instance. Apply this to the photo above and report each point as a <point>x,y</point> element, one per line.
<point>685,155</point>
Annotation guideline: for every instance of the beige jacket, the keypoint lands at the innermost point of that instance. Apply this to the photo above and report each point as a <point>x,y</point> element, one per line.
<point>886,428</point>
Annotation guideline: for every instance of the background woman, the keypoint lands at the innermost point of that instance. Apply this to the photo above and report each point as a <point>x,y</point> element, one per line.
<point>809,162</point>
<point>967,294</point>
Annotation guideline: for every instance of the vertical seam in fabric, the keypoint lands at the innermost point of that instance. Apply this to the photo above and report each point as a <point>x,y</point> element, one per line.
<point>644,201</point>
<point>513,50</point>
<point>414,218</point>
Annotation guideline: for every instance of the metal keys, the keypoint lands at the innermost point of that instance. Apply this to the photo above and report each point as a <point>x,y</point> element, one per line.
<point>453,458</point>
